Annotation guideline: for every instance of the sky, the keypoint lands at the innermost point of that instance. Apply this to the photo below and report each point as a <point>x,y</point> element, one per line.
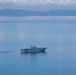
<point>41,1</point>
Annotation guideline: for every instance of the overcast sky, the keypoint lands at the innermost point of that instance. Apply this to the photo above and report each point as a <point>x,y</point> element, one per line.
<point>41,1</point>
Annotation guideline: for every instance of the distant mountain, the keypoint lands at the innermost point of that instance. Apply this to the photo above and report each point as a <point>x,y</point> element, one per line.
<point>62,6</point>
<point>40,7</point>
<point>20,12</point>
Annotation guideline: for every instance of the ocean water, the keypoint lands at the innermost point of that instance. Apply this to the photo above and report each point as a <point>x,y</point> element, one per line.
<point>57,33</point>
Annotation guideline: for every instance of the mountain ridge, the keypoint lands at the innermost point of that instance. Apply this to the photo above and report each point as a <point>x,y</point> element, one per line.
<point>21,12</point>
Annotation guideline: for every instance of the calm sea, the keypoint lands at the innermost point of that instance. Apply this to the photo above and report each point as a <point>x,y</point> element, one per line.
<point>57,33</point>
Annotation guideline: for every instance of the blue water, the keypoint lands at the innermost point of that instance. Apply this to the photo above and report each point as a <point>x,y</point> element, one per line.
<point>58,34</point>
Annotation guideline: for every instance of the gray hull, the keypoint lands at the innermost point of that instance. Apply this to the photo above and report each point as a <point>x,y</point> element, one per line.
<point>33,50</point>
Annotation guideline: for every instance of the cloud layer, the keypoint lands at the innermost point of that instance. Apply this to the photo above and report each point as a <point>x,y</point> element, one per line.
<point>41,1</point>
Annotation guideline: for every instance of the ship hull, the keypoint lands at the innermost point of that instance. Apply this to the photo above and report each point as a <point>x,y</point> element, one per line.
<point>33,50</point>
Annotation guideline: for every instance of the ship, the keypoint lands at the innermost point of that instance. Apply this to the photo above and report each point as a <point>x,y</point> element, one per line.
<point>33,49</point>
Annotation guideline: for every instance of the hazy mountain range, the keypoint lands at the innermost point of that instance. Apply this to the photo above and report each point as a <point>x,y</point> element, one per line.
<point>21,12</point>
<point>12,8</point>
<point>37,7</point>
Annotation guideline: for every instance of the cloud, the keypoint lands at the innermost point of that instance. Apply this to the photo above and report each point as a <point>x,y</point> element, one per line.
<point>62,1</point>
<point>41,1</point>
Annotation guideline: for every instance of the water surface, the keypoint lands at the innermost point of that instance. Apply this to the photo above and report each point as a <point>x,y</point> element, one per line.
<point>58,34</point>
